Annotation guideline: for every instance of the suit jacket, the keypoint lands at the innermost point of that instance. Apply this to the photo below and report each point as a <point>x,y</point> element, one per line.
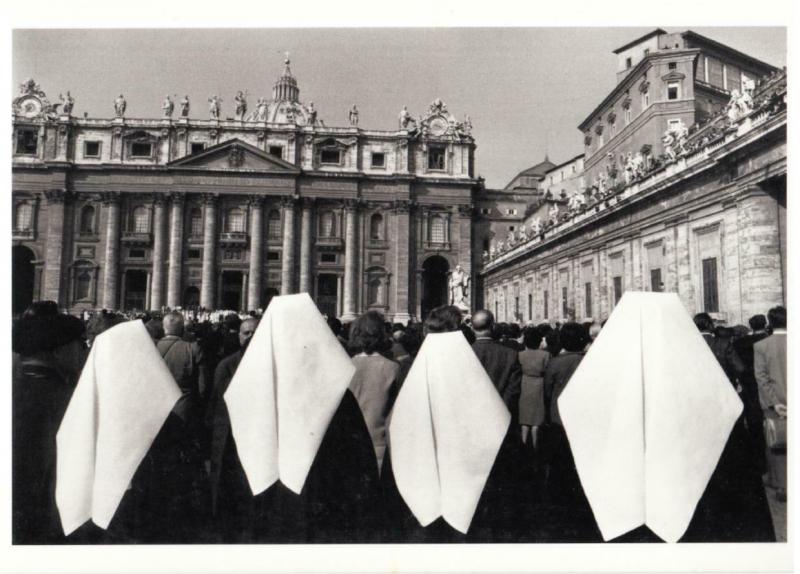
<point>769,362</point>
<point>183,360</point>
<point>502,366</point>
<point>556,376</point>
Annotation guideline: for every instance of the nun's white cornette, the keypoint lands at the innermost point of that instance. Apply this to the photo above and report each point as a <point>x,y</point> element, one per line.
<point>285,392</point>
<point>446,429</point>
<point>647,414</point>
<point>124,396</point>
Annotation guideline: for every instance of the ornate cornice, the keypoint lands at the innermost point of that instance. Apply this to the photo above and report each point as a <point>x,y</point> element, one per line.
<point>109,197</point>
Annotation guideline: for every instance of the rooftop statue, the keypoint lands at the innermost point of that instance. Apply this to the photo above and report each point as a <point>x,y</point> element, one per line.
<point>67,103</point>
<point>185,107</point>
<point>241,104</point>
<point>168,106</point>
<point>354,115</point>
<point>119,106</point>
<point>214,107</point>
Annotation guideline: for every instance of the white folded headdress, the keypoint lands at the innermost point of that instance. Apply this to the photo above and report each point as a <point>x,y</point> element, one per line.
<point>447,427</point>
<point>285,392</point>
<point>124,395</point>
<point>647,414</point>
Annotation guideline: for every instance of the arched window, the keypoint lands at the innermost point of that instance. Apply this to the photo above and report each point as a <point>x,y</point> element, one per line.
<point>234,221</point>
<point>141,220</point>
<point>327,224</point>
<point>83,285</point>
<point>274,224</point>
<point>23,217</point>
<point>376,226</point>
<point>196,222</point>
<point>87,220</point>
<point>437,229</point>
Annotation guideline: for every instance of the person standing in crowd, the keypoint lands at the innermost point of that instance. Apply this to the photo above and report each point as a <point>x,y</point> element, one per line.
<point>753,416</point>
<point>51,352</point>
<point>571,515</point>
<point>374,383</point>
<point>531,400</point>
<point>183,359</point>
<point>769,360</point>
<point>500,362</point>
<point>443,319</point>
<point>735,494</point>
<point>231,504</point>
<point>594,331</point>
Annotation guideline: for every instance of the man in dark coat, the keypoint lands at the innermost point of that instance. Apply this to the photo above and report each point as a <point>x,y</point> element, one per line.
<point>501,363</point>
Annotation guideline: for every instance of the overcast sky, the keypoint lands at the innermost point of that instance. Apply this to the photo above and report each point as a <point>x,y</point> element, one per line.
<point>525,89</point>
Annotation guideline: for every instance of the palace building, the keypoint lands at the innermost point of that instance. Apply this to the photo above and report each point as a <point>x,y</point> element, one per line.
<point>222,213</point>
<point>681,188</point>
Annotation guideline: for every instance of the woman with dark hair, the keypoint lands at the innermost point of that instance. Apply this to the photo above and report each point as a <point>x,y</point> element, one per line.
<point>51,352</point>
<point>374,383</point>
<point>531,400</point>
<point>443,319</point>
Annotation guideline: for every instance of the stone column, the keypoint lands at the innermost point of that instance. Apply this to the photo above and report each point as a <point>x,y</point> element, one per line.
<point>351,262</point>
<point>207,291</point>
<point>175,252</point>
<point>402,246</point>
<point>287,257</point>
<point>759,245</point>
<point>256,252</point>
<point>159,246</point>
<point>111,265</point>
<point>148,292</point>
<point>54,248</point>
<point>305,246</point>
<point>244,292</point>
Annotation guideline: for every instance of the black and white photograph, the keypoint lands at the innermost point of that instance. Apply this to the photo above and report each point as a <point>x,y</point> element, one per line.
<point>409,290</point>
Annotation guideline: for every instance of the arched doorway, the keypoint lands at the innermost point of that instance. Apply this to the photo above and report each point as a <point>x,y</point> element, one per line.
<point>22,273</point>
<point>191,297</point>
<point>434,283</point>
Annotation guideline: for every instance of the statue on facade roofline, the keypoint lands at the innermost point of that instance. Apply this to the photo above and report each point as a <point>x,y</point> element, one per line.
<point>119,106</point>
<point>185,107</point>
<point>354,115</point>
<point>536,226</point>
<point>404,118</point>
<point>523,235</point>
<point>67,103</point>
<point>553,214</point>
<point>485,256</point>
<point>241,105</point>
<point>511,238</point>
<point>312,114</point>
<point>492,251</point>
<point>214,106</point>
<point>168,106</point>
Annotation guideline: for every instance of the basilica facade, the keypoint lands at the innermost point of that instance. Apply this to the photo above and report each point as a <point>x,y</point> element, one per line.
<point>225,212</point>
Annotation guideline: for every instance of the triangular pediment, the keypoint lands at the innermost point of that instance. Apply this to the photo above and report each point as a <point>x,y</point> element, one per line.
<point>234,155</point>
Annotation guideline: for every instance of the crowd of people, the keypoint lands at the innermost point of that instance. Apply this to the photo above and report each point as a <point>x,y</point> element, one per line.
<point>191,486</point>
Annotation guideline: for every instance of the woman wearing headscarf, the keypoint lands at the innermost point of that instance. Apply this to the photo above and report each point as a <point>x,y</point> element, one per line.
<point>50,350</point>
<point>300,438</point>
<point>453,471</point>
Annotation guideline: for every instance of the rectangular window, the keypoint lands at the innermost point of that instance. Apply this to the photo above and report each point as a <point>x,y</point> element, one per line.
<point>724,77</point>
<point>378,160</point>
<point>91,149</point>
<point>197,147</point>
<point>587,299</point>
<point>277,151</point>
<point>27,141</point>
<point>672,65</point>
<point>628,63</point>
<point>273,255</point>
<point>564,308</point>
<point>655,280</point>
<point>673,90</point>
<point>617,289</point>
<point>516,307</point>
<point>496,308</point>
<point>627,115</point>
<point>613,129</point>
<point>511,211</point>
<point>193,254</point>
<point>136,253</point>
<point>327,258</point>
<point>530,307</point>
<point>330,156</point>
<point>546,304</point>
<point>645,99</point>
<point>486,210</point>
<point>705,69</point>
<point>436,158</point>
<point>710,291</point>
<point>141,149</point>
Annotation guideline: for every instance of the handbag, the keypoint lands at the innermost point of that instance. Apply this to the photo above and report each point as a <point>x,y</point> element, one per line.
<point>775,432</point>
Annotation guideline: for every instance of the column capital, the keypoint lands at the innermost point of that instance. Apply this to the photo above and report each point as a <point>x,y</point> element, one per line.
<point>255,200</point>
<point>56,195</point>
<point>404,206</point>
<point>160,198</point>
<point>109,197</point>
<point>353,204</point>
<point>289,200</point>
<point>177,198</point>
<point>209,199</point>
<point>306,202</point>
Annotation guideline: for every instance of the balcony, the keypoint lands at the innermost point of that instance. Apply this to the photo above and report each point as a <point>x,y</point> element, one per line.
<point>377,243</point>
<point>22,234</point>
<point>136,238</point>
<point>329,242</point>
<point>436,245</point>
<point>233,238</point>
